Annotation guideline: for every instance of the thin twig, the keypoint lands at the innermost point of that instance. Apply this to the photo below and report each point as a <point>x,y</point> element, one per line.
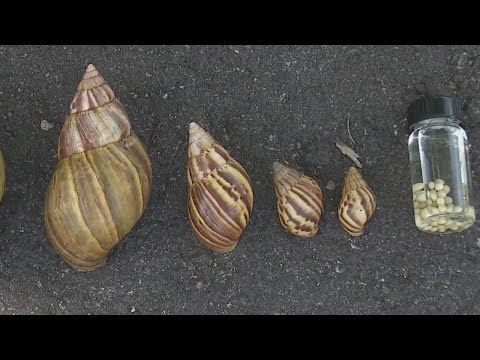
<point>348,129</point>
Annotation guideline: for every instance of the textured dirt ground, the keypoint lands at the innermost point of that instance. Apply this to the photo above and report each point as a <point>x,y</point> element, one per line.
<point>263,103</point>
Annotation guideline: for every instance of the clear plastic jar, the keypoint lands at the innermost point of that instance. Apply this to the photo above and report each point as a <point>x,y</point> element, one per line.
<point>440,166</point>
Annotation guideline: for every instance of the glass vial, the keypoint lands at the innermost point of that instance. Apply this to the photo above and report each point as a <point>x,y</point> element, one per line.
<point>440,166</point>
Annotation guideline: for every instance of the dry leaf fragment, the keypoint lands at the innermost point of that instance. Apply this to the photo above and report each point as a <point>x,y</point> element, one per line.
<point>349,152</point>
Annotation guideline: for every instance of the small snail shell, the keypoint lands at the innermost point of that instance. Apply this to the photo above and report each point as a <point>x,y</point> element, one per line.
<point>2,176</point>
<point>220,198</point>
<point>299,200</point>
<point>102,182</point>
<point>358,203</point>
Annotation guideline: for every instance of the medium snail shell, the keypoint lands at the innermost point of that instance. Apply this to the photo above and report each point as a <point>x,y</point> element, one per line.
<point>299,201</point>
<point>2,176</point>
<point>220,192</point>
<point>103,179</point>
<point>358,203</point>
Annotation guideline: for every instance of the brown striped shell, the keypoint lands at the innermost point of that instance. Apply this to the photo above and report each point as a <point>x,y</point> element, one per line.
<point>358,203</point>
<point>2,176</point>
<point>220,198</point>
<point>102,182</point>
<point>299,201</point>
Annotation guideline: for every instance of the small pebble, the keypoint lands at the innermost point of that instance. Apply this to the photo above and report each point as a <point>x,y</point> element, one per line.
<point>45,125</point>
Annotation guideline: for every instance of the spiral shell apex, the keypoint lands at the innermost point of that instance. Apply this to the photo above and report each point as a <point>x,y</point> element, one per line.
<point>358,203</point>
<point>220,200</point>
<point>299,201</point>
<point>2,176</point>
<point>102,182</point>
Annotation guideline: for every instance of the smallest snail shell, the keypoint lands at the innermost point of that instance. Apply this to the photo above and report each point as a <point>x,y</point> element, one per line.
<point>299,201</point>
<point>358,203</point>
<point>2,176</point>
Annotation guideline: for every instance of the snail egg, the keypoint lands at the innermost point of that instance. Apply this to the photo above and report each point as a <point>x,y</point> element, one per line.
<point>429,202</point>
<point>434,223</point>
<point>450,208</point>
<point>439,182</point>
<point>446,188</point>
<point>427,228</point>
<point>434,229</point>
<point>448,200</point>
<point>442,208</point>
<point>431,185</point>
<point>471,212</point>
<point>454,227</point>
<point>440,201</point>
<point>435,210</point>
<point>424,213</point>
<point>457,209</point>
<point>442,194</point>
<point>417,211</point>
<point>418,187</point>
<point>433,195</point>
<point>421,197</point>
<point>438,187</point>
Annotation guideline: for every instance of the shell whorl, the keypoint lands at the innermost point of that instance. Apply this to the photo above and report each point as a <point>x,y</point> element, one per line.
<point>358,203</point>
<point>220,197</point>
<point>299,200</point>
<point>96,117</point>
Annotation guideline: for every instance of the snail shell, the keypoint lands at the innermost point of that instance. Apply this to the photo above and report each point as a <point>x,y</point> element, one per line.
<point>299,201</point>
<point>2,176</point>
<point>102,182</point>
<point>220,199</point>
<point>358,203</point>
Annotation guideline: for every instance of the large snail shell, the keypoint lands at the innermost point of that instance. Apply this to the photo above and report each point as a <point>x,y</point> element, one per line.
<point>358,203</point>
<point>2,176</point>
<point>299,201</point>
<point>102,182</point>
<point>220,196</point>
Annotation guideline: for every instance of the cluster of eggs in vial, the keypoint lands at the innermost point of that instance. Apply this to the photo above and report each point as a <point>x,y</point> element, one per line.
<point>434,209</point>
